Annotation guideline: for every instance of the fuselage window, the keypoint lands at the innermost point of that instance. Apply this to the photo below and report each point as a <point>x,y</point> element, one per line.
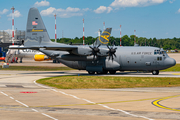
<point>160,58</point>
<point>157,58</point>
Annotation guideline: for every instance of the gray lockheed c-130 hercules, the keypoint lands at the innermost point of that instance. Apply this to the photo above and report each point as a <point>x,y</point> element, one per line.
<point>98,57</point>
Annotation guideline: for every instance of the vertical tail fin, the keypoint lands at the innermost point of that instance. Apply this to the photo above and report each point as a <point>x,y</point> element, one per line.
<point>103,39</point>
<point>36,32</point>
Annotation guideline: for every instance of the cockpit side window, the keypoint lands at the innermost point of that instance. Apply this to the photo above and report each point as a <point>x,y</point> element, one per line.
<point>155,52</point>
<point>157,58</point>
<point>164,53</point>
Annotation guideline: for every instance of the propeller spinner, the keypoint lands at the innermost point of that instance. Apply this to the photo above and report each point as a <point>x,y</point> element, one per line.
<point>95,50</point>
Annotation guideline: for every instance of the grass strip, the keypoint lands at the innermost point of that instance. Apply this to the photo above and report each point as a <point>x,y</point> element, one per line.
<point>36,68</point>
<point>81,82</point>
<point>47,68</point>
<point>174,68</point>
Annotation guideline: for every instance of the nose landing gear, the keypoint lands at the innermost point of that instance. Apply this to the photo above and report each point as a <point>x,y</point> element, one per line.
<point>155,72</point>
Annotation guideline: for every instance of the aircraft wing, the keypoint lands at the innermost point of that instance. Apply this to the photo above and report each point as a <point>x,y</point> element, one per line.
<point>59,47</point>
<point>47,47</point>
<point>23,47</point>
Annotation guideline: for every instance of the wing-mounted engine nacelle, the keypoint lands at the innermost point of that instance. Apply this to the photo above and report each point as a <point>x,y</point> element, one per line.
<point>41,57</point>
<point>82,50</point>
<point>86,51</point>
<point>103,52</point>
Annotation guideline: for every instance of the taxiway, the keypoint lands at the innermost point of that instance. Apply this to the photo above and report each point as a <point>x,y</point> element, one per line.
<point>22,98</point>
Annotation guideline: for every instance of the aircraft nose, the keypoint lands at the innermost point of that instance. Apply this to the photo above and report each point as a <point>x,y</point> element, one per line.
<point>169,62</point>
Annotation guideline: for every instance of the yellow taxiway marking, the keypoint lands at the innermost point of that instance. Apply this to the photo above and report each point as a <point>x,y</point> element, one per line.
<point>86,104</point>
<point>98,103</point>
<point>156,103</point>
<point>176,73</point>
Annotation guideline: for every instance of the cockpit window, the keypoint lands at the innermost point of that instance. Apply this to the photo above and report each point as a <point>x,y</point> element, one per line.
<point>156,52</point>
<point>164,53</point>
<point>159,52</point>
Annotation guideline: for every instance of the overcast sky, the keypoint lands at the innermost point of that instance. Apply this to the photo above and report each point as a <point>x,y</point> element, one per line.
<point>150,18</point>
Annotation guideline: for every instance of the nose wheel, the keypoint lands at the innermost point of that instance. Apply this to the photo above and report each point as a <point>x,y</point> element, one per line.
<point>155,72</point>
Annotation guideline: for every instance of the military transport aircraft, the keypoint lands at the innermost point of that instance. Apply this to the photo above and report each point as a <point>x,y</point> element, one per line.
<point>96,58</point>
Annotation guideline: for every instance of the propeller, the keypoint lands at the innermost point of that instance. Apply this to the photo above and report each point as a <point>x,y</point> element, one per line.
<point>95,50</point>
<point>111,51</point>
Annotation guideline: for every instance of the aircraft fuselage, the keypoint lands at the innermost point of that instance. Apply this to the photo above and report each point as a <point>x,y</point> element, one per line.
<point>127,59</point>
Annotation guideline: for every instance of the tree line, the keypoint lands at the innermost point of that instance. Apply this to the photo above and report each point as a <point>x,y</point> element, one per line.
<point>168,43</point>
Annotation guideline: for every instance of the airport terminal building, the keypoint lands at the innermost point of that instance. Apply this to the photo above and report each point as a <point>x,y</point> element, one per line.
<point>6,40</point>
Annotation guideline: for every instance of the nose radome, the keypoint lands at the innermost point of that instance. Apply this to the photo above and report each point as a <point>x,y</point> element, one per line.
<point>169,62</point>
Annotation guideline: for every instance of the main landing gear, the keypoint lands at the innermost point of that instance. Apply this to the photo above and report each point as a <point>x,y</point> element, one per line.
<point>112,72</point>
<point>91,73</point>
<point>155,72</point>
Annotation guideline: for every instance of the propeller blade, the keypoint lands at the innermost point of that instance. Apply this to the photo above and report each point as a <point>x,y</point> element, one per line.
<point>99,45</point>
<point>91,47</point>
<point>93,57</point>
<point>99,53</point>
<point>108,47</point>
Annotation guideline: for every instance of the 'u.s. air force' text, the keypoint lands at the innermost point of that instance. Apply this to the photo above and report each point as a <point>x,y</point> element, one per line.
<point>141,53</point>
